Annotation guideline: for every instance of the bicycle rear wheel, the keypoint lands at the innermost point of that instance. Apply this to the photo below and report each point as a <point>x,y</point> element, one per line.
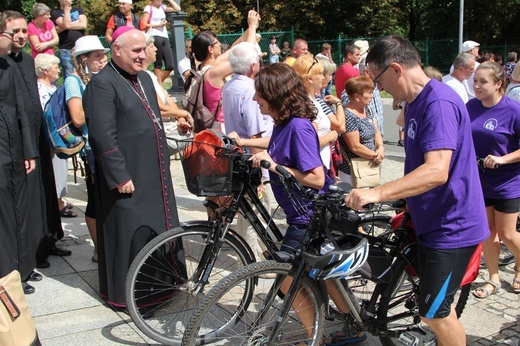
<point>161,279</point>
<point>225,318</point>
<point>398,312</point>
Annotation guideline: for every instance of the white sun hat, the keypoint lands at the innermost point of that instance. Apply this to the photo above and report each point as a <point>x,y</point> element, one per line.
<point>87,44</point>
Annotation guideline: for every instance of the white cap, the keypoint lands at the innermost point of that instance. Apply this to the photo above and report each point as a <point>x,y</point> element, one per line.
<point>125,2</point>
<point>362,45</point>
<point>469,45</point>
<point>87,44</point>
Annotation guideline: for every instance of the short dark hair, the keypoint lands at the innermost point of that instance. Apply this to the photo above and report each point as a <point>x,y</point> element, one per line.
<point>349,49</point>
<point>10,15</point>
<point>282,88</point>
<point>393,49</point>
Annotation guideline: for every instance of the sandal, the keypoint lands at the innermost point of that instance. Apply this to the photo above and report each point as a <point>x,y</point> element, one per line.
<point>482,292</point>
<point>343,337</point>
<point>516,281</point>
<point>68,206</point>
<point>67,212</point>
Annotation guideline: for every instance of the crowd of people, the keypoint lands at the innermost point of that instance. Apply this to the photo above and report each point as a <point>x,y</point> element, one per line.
<point>284,113</point>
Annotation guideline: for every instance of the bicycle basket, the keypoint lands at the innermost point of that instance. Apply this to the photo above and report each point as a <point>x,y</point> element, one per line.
<point>207,164</point>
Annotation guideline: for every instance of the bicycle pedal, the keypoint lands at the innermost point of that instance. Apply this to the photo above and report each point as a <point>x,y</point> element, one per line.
<point>417,337</point>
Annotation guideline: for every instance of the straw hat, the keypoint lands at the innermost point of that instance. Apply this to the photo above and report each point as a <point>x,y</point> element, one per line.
<point>87,44</point>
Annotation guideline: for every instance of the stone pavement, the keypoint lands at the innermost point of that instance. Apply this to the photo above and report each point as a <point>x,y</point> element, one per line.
<point>68,311</point>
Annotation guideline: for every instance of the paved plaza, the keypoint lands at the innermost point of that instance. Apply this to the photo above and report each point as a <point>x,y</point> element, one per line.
<point>68,311</point>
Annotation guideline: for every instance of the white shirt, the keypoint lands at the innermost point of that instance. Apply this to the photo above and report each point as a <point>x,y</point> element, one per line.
<point>456,85</point>
<point>183,66</point>
<point>323,122</point>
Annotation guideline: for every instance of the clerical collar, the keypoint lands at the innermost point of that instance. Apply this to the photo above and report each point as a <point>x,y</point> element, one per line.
<point>16,55</point>
<point>122,72</point>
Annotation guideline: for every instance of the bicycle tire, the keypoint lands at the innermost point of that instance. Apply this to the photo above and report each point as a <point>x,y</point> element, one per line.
<point>398,312</point>
<point>376,224</point>
<point>223,318</point>
<point>171,313</point>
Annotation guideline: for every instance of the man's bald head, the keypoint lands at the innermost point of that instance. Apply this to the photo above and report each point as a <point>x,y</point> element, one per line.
<point>299,47</point>
<point>128,50</point>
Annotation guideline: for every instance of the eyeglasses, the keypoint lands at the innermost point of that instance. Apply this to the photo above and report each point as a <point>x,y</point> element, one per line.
<point>10,34</point>
<point>376,80</point>
<point>313,63</point>
<point>215,43</point>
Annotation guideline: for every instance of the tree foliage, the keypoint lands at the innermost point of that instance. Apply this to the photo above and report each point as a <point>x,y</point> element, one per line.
<point>484,21</point>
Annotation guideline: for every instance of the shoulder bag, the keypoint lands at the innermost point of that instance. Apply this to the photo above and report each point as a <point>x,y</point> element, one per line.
<point>364,172</point>
<point>16,324</point>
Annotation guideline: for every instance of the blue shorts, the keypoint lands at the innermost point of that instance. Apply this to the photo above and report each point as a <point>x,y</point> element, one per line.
<point>440,274</point>
<point>293,238</point>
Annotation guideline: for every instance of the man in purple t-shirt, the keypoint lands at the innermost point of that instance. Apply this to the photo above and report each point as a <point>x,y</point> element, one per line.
<point>441,184</point>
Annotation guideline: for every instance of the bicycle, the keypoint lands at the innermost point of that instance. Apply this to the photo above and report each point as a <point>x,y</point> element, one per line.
<point>171,274</point>
<point>233,314</point>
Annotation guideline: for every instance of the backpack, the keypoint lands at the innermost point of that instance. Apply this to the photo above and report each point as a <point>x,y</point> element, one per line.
<point>193,101</point>
<point>64,138</point>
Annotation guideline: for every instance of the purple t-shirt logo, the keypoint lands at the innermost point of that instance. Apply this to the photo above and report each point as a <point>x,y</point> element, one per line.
<point>491,124</point>
<point>412,128</point>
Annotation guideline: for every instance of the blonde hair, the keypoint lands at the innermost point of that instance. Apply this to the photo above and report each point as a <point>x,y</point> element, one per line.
<point>307,65</point>
<point>328,67</point>
<point>79,66</point>
<point>44,62</point>
<point>432,72</point>
<point>497,72</point>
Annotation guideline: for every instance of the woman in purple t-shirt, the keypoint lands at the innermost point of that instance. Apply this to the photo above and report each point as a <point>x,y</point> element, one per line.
<point>495,124</point>
<point>294,144</point>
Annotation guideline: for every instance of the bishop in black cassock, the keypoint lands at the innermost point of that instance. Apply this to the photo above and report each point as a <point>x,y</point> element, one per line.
<point>134,192</point>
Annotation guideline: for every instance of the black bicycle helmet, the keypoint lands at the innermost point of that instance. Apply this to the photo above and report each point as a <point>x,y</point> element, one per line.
<point>338,263</point>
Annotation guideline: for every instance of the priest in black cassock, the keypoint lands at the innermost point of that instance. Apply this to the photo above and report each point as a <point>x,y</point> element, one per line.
<point>134,197</point>
<point>44,217</point>
<point>17,160</point>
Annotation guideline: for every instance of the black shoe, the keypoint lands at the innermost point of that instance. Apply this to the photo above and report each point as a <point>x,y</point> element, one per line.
<point>400,143</point>
<point>35,277</point>
<point>56,251</point>
<point>43,264</point>
<point>27,289</point>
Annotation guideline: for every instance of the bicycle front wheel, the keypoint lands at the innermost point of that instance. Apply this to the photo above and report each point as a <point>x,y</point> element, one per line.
<point>164,279</point>
<point>225,318</point>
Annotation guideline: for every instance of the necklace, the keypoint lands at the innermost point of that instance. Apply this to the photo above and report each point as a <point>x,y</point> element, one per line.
<point>144,100</point>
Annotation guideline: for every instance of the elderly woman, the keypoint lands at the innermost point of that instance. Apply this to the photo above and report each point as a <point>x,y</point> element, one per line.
<point>495,124</point>
<point>362,137</point>
<point>154,17</point>
<point>89,57</point>
<point>48,72</point>
<point>42,32</point>
<point>513,89</point>
<point>170,113</point>
<point>327,124</point>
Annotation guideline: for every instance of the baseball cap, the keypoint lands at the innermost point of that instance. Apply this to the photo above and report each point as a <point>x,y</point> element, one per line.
<point>125,2</point>
<point>469,45</point>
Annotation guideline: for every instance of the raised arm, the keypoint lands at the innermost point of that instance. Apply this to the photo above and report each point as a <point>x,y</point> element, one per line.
<point>174,7</point>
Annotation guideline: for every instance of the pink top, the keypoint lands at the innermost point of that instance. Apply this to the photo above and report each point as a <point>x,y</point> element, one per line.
<point>43,36</point>
<point>212,96</point>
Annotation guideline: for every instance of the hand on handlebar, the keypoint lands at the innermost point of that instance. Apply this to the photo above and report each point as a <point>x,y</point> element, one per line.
<point>358,198</point>
<point>234,136</point>
<point>492,161</point>
<point>261,159</point>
